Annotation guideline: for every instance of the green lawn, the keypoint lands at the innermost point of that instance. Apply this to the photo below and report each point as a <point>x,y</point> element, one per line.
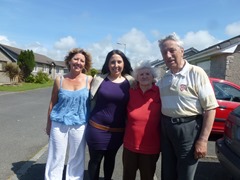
<point>25,86</point>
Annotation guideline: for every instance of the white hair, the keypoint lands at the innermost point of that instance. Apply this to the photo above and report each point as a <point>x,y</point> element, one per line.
<point>173,37</point>
<point>145,65</point>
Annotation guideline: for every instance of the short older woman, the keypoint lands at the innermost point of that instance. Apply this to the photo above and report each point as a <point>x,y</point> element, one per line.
<point>142,134</point>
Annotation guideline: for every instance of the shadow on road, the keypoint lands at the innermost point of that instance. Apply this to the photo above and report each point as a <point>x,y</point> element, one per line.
<point>205,171</point>
<point>19,168</point>
<point>36,172</point>
<point>211,171</point>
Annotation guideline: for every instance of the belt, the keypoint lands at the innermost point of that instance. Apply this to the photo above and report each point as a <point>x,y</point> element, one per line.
<point>182,119</point>
<point>105,128</point>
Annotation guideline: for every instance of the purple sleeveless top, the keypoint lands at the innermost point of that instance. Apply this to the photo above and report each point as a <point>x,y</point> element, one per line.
<point>110,110</point>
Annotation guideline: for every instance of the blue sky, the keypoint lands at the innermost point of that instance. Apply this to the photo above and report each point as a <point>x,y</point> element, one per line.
<point>52,27</point>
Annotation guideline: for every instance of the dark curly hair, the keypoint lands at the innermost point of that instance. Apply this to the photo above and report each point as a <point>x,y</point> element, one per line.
<point>127,69</point>
<point>73,52</point>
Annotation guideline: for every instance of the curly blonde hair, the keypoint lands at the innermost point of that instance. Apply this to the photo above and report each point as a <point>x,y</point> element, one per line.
<point>73,52</point>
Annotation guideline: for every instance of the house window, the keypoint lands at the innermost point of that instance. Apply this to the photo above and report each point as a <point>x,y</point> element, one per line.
<point>39,67</point>
<point>65,71</point>
<point>44,68</point>
<point>57,70</point>
<point>205,65</point>
<point>2,66</point>
<point>35,68</point>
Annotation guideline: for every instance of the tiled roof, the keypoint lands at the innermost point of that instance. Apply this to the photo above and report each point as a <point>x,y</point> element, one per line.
<point>13,53</point>
<point>9,52</point>
<point>60,63</point>
<point>219,48</point>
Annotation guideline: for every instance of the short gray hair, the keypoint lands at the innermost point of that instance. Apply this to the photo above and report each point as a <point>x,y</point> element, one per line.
<point>172,37</point>
<point>145,65</point>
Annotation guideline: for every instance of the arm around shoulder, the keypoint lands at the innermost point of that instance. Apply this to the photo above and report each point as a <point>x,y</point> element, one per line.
<point>131,80</point>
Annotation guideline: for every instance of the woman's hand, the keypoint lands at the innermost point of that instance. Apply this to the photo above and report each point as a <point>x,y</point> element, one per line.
<point>48,129</point>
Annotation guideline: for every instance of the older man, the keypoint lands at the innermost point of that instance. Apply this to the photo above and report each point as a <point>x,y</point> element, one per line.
<point>188,111</point>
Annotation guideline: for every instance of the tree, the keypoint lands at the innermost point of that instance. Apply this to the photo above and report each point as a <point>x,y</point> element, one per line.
<point>26,62</point>
<point>93,72</point>
<point>12,71</point>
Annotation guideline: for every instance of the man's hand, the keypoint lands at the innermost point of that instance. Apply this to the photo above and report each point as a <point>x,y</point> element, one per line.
<point>200,149</point>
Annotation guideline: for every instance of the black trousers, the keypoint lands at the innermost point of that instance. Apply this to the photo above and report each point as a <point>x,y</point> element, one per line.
<point>145,163</point>
<point>177,145</point>
<point>94,164</point>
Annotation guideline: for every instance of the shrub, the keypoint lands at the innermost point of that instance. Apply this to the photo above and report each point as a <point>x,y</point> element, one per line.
<point>12,71</point>
<point>41,77</point>
<point>93,72</point>
<point>30,79</point>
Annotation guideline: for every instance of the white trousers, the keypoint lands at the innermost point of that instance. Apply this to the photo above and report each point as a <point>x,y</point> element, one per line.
<point>61,137</point>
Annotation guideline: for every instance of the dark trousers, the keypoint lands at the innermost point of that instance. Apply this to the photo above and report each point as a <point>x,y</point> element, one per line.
<point>94,164</point>
<point>177,145</point>
<point>132,161</point>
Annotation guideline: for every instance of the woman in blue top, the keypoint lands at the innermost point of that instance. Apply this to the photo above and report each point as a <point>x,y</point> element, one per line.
<point>109,98</point>
<point>67,117</point>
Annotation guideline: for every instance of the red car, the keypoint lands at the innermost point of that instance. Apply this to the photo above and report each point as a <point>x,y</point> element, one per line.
<point>228,97</point>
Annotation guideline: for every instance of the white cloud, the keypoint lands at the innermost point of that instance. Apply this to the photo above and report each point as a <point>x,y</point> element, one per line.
<point>60,48</point>
<point>99,51</point>
<point>54,54</point>
<point>57,55</point>
<point>199,40</point>
<point>65,43</point>
<point>37,48</point>
<point>6,41</point>
<point>138,46</point>
<point>233,29</point>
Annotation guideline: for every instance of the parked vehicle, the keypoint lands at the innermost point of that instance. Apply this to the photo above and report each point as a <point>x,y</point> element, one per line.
<point>228,97</point>
<point>228,148</point>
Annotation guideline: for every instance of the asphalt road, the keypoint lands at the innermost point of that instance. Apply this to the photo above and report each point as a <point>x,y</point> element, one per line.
<point>22,123</point>
<point>24,143</point>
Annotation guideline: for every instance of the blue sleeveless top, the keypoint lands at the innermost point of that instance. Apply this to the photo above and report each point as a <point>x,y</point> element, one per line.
<point>72,107</point>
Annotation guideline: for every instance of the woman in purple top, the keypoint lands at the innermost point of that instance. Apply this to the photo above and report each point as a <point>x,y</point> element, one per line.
<point>109,97</point>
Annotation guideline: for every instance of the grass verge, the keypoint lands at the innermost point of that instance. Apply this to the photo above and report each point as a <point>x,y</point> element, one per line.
<point>25,86</point>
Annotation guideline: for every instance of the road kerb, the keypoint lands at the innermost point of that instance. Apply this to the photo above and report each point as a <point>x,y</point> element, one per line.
<point>28,164</point>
